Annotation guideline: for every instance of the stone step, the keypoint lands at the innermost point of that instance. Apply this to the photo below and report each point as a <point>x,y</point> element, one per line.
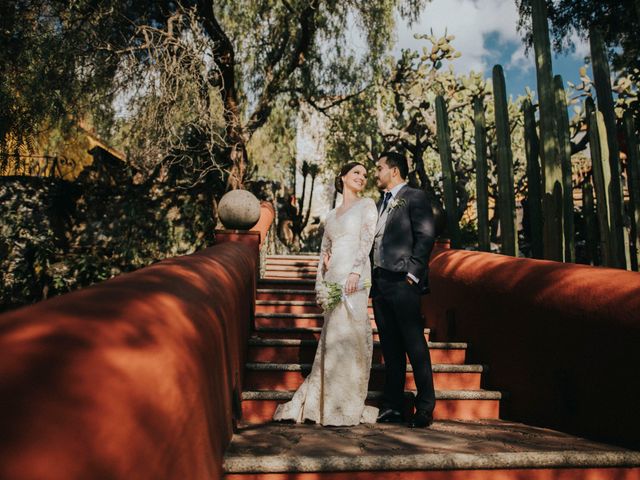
<point>294,319</point>
<point>448,450</point>
<point>289,376</point>
<point>286,284</point>
<point>308,332</point>
<point>299,320</point>
<point>294,258</point>
<point>275,275</point>
<point>292,267</point>
<point>303,351</point>
<point>259,406</point>
<point>270,267</point>
<point>291,306</point>
<point>265,294</point>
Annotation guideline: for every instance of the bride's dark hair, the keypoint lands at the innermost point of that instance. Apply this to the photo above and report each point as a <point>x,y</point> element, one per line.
<point>346,168</point>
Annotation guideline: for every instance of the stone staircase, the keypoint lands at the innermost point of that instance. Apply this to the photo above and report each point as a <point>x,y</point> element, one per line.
<point>468,439</point>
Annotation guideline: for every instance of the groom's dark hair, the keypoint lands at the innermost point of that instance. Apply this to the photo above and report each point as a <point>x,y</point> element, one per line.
<point>397,160</point>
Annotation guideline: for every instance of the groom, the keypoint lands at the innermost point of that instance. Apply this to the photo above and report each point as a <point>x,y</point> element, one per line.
<point>401,248</point>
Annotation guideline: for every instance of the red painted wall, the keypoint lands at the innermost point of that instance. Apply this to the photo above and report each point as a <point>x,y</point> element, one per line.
<point>129,379</point>
<point>562,340</point>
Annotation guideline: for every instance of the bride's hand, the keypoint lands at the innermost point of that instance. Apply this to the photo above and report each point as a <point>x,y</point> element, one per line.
<point>352,283</point>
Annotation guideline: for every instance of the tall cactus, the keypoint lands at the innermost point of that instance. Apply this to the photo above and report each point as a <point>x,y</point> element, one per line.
<point>506,194</point>
<point>564,139</point>
<point>602,181</point>
<point>534,182</point>
<point>602,80</point>
<point>448,178</point>
<point>482,189</point>
<point>551,166</point>
<point>590,225</point>
<point>633,181</point>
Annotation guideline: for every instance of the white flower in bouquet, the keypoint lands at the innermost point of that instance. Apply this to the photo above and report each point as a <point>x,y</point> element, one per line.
<point>330,294</point>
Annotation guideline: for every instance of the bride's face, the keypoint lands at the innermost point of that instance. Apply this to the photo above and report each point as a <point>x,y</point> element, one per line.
<point>355,179</point>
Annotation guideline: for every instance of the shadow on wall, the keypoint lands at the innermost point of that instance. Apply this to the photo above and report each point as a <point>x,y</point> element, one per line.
<point>560,339</point>
<point>131,378</point>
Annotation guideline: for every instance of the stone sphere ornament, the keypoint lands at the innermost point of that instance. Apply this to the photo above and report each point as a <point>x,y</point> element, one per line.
<point>239,210</point>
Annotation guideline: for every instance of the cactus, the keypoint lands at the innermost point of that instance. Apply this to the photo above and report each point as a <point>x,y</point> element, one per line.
<point>633,182</point>
<point>506,194</point>
<point>590,225</point>
<point>534,195</point>
<point>602,181</point>
<point>444,146</point>
<point>602,81</point>
<point>482,189</point>
<point>564,143</point>
<point>551,166</point>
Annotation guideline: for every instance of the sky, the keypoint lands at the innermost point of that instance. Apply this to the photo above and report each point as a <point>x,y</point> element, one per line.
<point>486,34</point>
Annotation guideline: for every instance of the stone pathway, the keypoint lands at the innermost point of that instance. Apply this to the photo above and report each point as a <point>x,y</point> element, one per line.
<point>449,444</point>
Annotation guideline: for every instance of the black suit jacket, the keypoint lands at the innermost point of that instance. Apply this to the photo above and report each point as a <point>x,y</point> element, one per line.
<point>409,235</point>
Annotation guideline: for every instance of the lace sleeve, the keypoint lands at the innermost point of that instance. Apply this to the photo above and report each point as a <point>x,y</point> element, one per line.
<point>325,247</point>
<point>367,234</point>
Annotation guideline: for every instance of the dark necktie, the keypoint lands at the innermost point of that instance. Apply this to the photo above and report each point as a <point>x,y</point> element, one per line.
<point>385,202</point>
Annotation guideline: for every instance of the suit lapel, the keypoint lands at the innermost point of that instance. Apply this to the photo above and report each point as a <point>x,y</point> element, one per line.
<point>397,198</point>
<point>386,216</point>
<point>382,219</point>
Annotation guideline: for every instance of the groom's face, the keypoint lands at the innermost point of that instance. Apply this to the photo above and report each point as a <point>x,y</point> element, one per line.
<point>384,174</point>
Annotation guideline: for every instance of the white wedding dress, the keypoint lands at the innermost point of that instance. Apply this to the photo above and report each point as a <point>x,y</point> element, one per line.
<point>335,391</point>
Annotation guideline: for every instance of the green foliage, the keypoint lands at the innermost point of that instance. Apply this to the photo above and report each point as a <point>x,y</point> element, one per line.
<point>602,183</point>
<point>58,236</point>
<point>564,148</point>
<point>59,58</point>
<point>444,147</point>
<point>506,196</point>
<point>27,236</point>
<point>272,148</point>
<point>553,232</point>
<point>482,192</point>
<point>533,213</point>
<point>618,19</point>
<point>633,182</point>
<point>399,112</point>
<point>176,116</point>
<point>303,48</point>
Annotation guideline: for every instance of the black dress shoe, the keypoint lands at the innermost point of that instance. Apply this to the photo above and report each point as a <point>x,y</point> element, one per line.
<point>421,419</point>
<point>389,415</point>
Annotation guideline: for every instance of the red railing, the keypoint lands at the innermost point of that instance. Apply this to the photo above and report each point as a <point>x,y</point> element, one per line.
<point>138,377</point>
<point>561,340</point>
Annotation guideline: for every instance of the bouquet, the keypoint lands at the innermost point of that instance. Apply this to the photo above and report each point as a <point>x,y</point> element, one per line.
<point>330,294</point>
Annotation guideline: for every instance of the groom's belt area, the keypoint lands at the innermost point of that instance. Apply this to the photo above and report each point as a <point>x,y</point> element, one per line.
<point>379,272</point>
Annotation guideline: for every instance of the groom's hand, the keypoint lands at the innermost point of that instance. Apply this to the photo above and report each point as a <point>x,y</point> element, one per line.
<point>352,283</point>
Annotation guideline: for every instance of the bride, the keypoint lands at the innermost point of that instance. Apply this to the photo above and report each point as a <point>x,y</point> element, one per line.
<point>335,391</point>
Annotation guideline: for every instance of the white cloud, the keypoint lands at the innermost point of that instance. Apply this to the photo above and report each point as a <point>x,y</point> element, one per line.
<point>471,21</point>
<point>520,60</point>
<point>582,49</point>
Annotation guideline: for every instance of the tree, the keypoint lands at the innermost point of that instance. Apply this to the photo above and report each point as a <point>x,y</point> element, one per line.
<point>64,58</point>
<point>176,118</point>
<point>295,48</point>
<point>400,113</point>
<point>59,59</point>
<point>618,20</point>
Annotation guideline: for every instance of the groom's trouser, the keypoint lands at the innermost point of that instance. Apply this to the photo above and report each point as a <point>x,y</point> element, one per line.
<point>396,306</point>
